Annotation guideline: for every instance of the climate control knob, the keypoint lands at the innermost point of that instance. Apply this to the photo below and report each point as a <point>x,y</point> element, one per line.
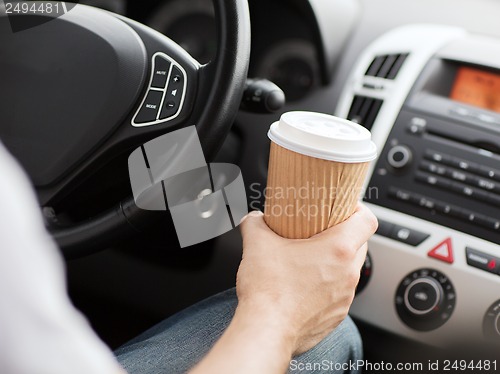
<point>366,273</point>
<point>423,295</point>
<point>491,322</point>
<point>425,299</point>
<point>399,156</point>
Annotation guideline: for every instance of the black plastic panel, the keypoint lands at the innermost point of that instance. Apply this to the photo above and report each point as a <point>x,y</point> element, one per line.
<point>386,66</point>
<point>364,110</point>
<point>458,191</point>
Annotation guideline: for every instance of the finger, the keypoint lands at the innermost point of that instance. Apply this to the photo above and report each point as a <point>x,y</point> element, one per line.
<point>356,230</point>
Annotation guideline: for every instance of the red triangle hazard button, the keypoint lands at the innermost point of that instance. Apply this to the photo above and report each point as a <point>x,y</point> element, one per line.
<point>443,252</point>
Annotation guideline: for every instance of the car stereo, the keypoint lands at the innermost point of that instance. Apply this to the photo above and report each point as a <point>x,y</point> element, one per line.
<point>441,161</point>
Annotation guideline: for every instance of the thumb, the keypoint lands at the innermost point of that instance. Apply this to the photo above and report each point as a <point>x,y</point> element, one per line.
<point>253,225</point>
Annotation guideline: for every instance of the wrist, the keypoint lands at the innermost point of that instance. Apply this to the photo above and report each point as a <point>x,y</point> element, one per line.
<point>262,316</point>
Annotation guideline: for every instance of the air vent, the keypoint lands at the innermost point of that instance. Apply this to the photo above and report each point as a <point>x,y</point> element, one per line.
<point>386,66</point>
<point>364,110</point>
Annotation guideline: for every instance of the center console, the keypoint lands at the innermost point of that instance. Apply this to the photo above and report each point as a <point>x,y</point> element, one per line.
<point>431,97</point>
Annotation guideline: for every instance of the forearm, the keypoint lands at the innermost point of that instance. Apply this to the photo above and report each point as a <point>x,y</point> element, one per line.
<point>254,342</point>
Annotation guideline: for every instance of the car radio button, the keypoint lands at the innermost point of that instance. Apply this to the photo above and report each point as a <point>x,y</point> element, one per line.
<point>488,172</point>
<point>399,156</point>
<point>467,215</point>
<point>469,191</point>
<point>438,157</point>
<point>488,222</point>
<point>483,261</point>
<point>433,168</point>
<point>417,126</point>
<point>443,208</point>
<point>433,180</point>
<point>424,202</point>
<point>462,164</point>
<point>400,194</point>
<point>160,72</point>
<point>457,175</point>
<point>486,184</point>
<point>462,189</point>
<point>150,107</point>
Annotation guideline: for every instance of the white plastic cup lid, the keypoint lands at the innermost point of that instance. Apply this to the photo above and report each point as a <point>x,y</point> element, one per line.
<point>323,136</point>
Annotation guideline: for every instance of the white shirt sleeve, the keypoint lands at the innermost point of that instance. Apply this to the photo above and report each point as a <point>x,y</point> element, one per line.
<point>40,330</point>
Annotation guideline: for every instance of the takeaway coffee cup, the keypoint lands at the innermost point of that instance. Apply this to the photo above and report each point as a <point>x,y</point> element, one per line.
<point>317,168</point>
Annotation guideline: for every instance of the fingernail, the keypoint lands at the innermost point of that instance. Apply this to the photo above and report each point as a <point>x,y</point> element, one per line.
<point>255,213</point>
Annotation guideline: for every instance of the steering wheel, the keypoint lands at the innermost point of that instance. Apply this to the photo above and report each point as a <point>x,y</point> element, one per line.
<point>81,88</point>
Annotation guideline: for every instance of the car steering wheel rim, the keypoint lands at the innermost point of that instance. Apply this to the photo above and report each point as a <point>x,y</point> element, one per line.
<point>218,93</point>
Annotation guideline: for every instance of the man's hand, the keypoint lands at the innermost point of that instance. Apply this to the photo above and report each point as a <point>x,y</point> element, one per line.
<point>291,294</point>
<point>307,285</point>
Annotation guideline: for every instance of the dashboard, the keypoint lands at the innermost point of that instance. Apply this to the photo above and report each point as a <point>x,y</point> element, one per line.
<point>429,94</point>
<point>425,81</point>
<point>424,77</point>
<point>287,41</point>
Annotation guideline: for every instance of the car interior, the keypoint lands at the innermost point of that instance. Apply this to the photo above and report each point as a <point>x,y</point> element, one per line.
<point>423,76</point>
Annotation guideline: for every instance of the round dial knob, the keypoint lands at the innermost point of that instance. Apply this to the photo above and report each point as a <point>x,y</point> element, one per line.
<point>399,156</point>
<point>366,273</point>
<point>491,322</point>
<point>423,295</point>
<point>425,299</point>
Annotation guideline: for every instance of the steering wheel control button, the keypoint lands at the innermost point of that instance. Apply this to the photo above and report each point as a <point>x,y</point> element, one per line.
<point>173,95</point>
<point>483,261</point>
<point>425,299</point>
<point>160,72</point>
<point>150,107</point>
<point>399,156</point>
<point>172,102</point>
<point>443,252</point>
<point>176,78</point>
<point>169,81</point>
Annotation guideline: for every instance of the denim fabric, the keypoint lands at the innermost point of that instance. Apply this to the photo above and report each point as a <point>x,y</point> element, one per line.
<point>178,343</point>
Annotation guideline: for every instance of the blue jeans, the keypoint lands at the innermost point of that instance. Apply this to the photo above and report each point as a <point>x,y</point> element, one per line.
<point>178,343</point>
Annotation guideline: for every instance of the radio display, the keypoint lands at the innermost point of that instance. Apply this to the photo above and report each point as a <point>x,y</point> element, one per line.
<point>478,88</point>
